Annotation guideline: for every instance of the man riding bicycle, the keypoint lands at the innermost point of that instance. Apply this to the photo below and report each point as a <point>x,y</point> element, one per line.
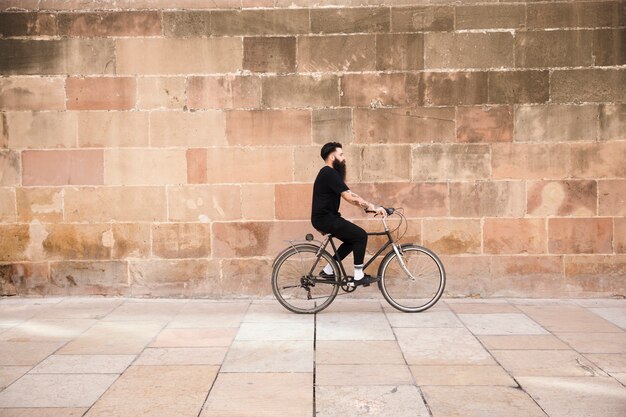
<point>328,189</point>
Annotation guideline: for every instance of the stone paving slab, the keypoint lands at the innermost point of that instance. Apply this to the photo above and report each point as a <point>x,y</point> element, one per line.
<point>96,356</point>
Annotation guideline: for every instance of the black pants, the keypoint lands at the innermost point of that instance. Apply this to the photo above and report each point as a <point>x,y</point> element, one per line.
<point>353,237</point>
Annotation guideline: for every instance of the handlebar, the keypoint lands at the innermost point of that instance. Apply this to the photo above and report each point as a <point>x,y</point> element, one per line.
<point>389,210</point>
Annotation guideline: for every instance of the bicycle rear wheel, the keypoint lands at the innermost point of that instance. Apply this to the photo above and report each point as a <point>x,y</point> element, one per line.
<point>412,295</point>
<point>298,290</point>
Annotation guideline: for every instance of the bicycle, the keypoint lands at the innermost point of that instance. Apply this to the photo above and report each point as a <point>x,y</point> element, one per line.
<point>411,277</point>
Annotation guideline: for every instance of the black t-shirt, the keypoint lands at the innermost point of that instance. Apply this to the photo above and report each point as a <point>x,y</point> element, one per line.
<point>327,191</point>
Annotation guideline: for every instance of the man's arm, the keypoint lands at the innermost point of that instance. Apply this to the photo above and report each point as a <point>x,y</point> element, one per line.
<point>356,200</point>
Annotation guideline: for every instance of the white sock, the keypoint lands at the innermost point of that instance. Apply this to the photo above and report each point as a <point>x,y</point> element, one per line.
<point>358,272</point>
<point>328,269</point>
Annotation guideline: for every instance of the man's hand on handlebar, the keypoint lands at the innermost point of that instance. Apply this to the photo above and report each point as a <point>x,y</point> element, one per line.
<point>378,210</point>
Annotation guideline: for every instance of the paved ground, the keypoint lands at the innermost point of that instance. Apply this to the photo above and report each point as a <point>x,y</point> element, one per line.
<point>133,357</point>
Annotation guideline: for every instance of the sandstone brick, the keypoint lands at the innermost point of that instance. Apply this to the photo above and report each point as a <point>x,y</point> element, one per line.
<point>417,199</point>
<point>308,162</point>
<point>179,277</point>
<point>183,23</point>
<point>589,235</point>
<point>268,127</point>
<point>4,131</point>
<point>399,52</point>
<point>170,56</point>
<point>43,204</point>
<point>24,278</point>
<point>612,198</point>
<point>75,167</point>
<point>562,198</point>
<point>588,85</point>
<point>501,16</point>
<point>194,129</point>
<point>14,241</point>
<point>28,24</point>
<point>612,121</point>
<point>408,125</point>
<point>145,166</point>
<point>501,236</point>
<point>89,278</point>
<point>101,93</point>
<point>10,168</point>
<point>196,166</point>
<point>597,160</point>
<point>129,240</point>
<point>219,92</point>
<point>181,240</point>
<point>452,236</point>
<point>608,47</point>
<point>350,20</point>
<point>113,129</point>
<point>514,276</point>
<point>8,5</point>
<point>518,86</point>
<point>32,94</point>
<point>529,161</point>
<point>619,235</point>
<point>7,205</point>
<point>257,201</point>
<point>467,275</point>
<point>488,199</point>
<point>245,276</point>
<point>597,275</point>
<point>386,163</point>
<point>126,23</point>
<point>575,14</point>
<point>203,203</point>
<point>77,241</point>
<point>336,53</point>
<point>42,130</point>
<point>125,204</point>
<point>451,162</point>
<point>448,88</point>
<point>558,123</point>
<point>429,18</point>
<point>300,91</point>
<point>468,50</point>
<point>160,93</point>
<point>62,56</point>
<point>380,89</point>
<point>331,125</point>
<point>566,48</point>
<point>263,164</point>
<point>484,124</point>
<point>269,54</point>
<point>293,201</point>
<point>259,22</point>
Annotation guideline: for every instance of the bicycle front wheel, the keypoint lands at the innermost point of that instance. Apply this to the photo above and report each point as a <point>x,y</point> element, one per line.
<point>416,293</point>
<point>296,288</point>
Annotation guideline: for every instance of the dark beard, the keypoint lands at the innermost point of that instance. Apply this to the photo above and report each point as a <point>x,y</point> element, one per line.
<point>341,168</point>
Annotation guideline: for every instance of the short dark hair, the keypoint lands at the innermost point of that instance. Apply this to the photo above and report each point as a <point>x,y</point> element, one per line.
<point>329,148</point>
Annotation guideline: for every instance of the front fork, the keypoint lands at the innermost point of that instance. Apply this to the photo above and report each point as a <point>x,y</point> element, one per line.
<point>398,252</point>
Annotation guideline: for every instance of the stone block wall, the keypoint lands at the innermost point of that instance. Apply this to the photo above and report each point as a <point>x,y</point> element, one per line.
<point>167,148</point>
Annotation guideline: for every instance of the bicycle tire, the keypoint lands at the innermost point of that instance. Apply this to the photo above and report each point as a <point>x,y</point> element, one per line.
<point>298,275</point>
<point>408,295</point>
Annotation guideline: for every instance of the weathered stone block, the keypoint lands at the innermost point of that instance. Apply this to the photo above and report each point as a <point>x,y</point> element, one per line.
<point>101,93</point>
<point>196,166</point>
<point>612,197</point>
<point>500,16</point>
<point>597,275</point>
<point>187,129</point>
<point>174,277</point>
<point>452,236</point>
<point>519,275</point>
<point>399,52</point>
<point>484,124</point>
<point>518,86</point>
<point>160,93</point>
<point>619,234</point>
<point>245,276</point>
<point>591,235</point>
<point>300,91</point>
<point>203,203</point>
<point>145,166</point>
<point>501,236</point>
<point>263,164</point>
<point>4,131</point>
<point>574,14</point>
<point>417,199</point>
<point>558,123</point>
<point>331,125</point>
<point>293,201</point>
<point>259,22</point>
<point>559,48</point>
<point>268,127</point>
<point>562,198</point>
<point>24,278</point>
<point>183,23</point>
<point>32,94</point>
<point>130,240</point>
<point>451,162</point>
<point>14,242</point>
<point>609,47</point>
<point>28,24</point>
<point>597,160</point>
<point>447,88</point>
<point>612,121</point>
<point>373,90</point>
<point>386,163</point>
<point>115,203</point>
<point>72,167</point>
<point>488,199</point>
<point>43,204</point>
<point>10,168</point>
<point>113,129</point>
<point>336,53</point>
<point>269,54</point>
<point>430,18</point>
<point>126,23</point>
<point>468,50</point>
<point>7,205</point>
<point>350,20</point>
<point>529,161</point>
<point>89,278</point>
<point>467,275</point>
<point>77,241</point>
<point>181,240</point>
<point>41,130</point>
<point>588,85</point>
<point>223,92</point>
<point>257,201</point>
